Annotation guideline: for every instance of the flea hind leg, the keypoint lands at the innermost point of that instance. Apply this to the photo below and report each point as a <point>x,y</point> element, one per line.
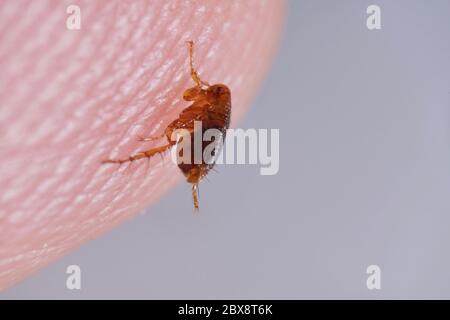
<point>194,73</point>
<point>140,155</point>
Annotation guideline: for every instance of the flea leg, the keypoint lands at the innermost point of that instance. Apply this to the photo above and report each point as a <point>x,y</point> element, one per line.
<point>144,154</point>
<point>195,196</point>
<point>194,73</point>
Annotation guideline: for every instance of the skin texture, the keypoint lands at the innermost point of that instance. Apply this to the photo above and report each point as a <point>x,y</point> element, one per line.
<point>72,98</point>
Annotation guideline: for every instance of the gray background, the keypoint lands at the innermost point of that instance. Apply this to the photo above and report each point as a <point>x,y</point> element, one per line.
<point>364,178</point>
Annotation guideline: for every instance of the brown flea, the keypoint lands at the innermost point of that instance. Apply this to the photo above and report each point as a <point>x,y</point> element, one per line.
<point>211,104</point>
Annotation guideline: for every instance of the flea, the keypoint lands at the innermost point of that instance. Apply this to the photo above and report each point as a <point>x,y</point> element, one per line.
<point>210,104</point>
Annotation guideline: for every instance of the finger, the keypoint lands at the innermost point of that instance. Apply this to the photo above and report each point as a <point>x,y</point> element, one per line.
<point>72,98</point>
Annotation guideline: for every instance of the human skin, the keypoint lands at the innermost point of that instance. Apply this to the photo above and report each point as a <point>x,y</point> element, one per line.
<point>72,98</point>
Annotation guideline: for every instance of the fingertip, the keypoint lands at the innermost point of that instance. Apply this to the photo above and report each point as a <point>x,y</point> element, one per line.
<point>93,91</point>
